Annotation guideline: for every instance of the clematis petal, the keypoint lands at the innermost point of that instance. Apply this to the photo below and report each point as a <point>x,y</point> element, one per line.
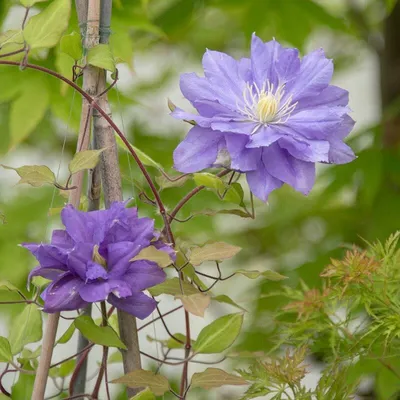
<point>222,72</point>
<point>264,137</point>
<point>262,183</point>
<point>242,158</point>
<point>340,153</point>
<point>63,294</point>
<point>99,291</point>
<point>79,258</point>
<point>198,150</point>
<point>332,96</point>
<point>297,173</point>
<point>143,274</point>
<point>95,271</point>
<point>287,65</point>
<point>314,76</point>
<point>119,256</point>
<point>138,305</point>
<point>263,59</point>
<point>194,88</point>
<point>61,238</point>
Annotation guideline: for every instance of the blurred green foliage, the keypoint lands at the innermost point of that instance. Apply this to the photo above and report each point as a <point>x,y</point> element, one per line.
<point>294,234</point>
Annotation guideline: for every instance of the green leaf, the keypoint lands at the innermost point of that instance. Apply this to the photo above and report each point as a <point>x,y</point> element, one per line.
<point>34,175</point>
<point>45,29</point>
<point>173,288</point>
<point>235,194</point>
<point>24,387</point>
<point>82,160</point>
<point>158,384</point>
<point>196,303</point>
<point>27,354</point>
<point>30,3</point>
<point>153,254</point>
<point>253,274</point>
<point>146,394</point>
<point>5,350</point>
<point>26,328</point>
<point>67,334</point>
<point>5,285</point>
<point>223,298</point>
<point>165,183</point>
<point>28,109</point>
<point>219,335</point>
<point>11,40</point>
<point>144,158</point>
<point>214,377</point>
<point>390,4</point>
<point>66,368</point>
<point>101,56</point>
<point>209,181</point>
<point>217,251</point>
<point>238,212</point>
<point>72,45</point>
<point>171,343</point>
<point>104,335</point>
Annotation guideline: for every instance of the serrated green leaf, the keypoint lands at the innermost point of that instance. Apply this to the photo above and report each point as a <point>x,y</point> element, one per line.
<point>144,158</point>
<point>5,350</point>
<point>219,335</point>
<point>217,251</point>
<point>151,253</point>
<point>34,175</point>
<point>44,30</point>
<point>26,328</point>
<point>253,274</point>
<point>173,288</point>
<point>158,384</point>
<point>67,335</point>
<point>196,303</point>
<point>28,109</point>
<point>146,394</point>
<point>104,335</point>
<point>82,160</point>
<point>101,56</point>
<point>30,3</point>
<point>223,298</point>
<point>214,377</point>
<point>72,45</point>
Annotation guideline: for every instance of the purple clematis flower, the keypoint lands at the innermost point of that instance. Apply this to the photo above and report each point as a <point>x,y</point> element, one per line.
<point>275,115</point>
<point>90,261</point>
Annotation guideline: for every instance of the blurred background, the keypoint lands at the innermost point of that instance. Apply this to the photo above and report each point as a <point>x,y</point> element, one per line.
<point>158,40</point>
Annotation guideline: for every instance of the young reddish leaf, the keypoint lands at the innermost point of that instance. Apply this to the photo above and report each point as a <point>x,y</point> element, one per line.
<point>219,335</point>
<point>158,384</point>
<point>153,254</point>
<point>196,304</point>
<point>217,251</point>
<point>214,377</point>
